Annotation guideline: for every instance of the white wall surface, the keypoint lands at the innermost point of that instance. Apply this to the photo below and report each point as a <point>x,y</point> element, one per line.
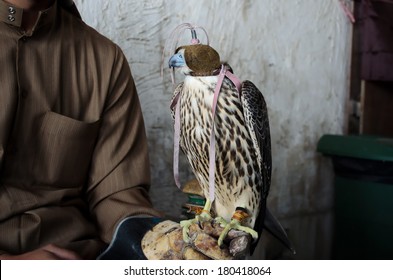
<point>297,53</point>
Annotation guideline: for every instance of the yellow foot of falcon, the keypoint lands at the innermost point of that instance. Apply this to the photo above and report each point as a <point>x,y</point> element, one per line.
<point>235,223</point>
<point>203,217</point>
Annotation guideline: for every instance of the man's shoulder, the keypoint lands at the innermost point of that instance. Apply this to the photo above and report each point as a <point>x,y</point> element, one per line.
<point>89,33</point>
<point>82,32</point>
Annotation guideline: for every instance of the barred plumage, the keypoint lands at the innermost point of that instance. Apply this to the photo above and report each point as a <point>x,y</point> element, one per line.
<point>238,177</point>
<point>242,136</point>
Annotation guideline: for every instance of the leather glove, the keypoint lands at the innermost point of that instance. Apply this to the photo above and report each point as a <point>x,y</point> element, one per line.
<point>165,242</point>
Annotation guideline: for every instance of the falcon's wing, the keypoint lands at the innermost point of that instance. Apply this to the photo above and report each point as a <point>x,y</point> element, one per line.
<point>257,122</point>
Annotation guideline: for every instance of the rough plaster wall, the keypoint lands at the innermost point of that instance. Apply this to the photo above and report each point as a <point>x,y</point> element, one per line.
<point>296,52</point>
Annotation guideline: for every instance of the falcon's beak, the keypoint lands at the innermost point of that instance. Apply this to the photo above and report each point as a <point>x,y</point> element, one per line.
<point>177,60</point>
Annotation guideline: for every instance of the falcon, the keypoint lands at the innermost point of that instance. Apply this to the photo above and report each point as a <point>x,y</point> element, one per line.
<point>241,161</point>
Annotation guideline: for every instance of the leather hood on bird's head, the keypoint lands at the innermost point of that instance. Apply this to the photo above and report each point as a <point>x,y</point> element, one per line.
<point>203,60</point>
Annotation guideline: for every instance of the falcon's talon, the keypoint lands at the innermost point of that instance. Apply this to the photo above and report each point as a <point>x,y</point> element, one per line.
<point>221,221</point>
<point>235,224</point>
<point>186,225</point>
<point>199,219</point>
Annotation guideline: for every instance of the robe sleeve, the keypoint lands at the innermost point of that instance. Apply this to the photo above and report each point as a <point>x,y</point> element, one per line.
<point>119,176</point>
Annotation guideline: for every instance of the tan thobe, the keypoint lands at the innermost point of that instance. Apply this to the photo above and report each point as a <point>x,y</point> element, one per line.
<point>73,150</point>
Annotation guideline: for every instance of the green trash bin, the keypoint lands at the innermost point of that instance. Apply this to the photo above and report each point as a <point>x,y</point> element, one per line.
<point>363,167</point>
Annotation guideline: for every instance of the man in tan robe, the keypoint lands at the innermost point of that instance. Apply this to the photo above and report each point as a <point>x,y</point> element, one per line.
<point>73,150</point>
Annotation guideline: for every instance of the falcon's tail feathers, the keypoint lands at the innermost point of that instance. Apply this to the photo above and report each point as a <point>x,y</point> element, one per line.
<point>273,226</point>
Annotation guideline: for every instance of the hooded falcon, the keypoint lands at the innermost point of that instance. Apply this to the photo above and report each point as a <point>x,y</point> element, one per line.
<point>242,157</point>
<point>222,127</point>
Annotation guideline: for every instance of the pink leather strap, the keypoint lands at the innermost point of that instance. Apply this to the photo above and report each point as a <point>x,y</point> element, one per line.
<point>176,140</point>
<point>347,11</point>
<point>212,146</point>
